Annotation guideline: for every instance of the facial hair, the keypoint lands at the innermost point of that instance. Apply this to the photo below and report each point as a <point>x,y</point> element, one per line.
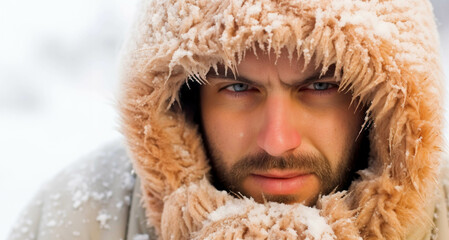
<point>232,178</point>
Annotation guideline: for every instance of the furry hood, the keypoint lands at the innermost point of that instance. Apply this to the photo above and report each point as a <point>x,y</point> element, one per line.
<point>387,52</point>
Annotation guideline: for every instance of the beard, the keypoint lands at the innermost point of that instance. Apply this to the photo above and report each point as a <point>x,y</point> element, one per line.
<point>231,178</point>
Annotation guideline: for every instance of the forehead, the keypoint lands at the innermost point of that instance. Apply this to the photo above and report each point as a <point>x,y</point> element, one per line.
<point>266,67</point>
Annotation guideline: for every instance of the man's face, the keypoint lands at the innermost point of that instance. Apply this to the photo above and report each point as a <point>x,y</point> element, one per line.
<point>277,131</point>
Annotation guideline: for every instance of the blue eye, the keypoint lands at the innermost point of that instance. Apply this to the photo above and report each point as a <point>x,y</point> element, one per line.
<point>321,86</point>
<point>238,87</point>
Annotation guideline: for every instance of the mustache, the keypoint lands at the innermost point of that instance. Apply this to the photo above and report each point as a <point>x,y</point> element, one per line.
<point>264,162</point>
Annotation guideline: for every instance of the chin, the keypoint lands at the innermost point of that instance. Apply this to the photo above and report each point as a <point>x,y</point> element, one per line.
<point>287,199</point>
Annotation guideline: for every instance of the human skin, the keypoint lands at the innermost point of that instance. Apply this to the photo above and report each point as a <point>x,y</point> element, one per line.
<point>278,131</point>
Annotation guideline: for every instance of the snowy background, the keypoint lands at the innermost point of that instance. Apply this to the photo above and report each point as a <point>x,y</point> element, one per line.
<point>58,79</point>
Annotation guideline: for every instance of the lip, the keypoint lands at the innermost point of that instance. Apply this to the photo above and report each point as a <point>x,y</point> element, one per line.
<point>282,174</point>
<point>278,182</point>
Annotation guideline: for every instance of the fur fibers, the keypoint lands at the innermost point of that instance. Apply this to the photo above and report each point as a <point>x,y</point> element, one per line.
<point>385,52</point>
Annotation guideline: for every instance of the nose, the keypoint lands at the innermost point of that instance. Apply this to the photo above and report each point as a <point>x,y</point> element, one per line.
<point>278,134</point>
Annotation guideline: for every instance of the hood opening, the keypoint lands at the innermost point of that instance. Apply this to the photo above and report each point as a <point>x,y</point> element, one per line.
<point>189,105</point>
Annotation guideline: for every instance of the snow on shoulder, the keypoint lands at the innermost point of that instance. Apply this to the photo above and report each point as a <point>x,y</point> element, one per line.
<point>89,197</point>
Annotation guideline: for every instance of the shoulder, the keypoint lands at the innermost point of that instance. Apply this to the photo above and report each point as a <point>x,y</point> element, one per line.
<point>90,198</point>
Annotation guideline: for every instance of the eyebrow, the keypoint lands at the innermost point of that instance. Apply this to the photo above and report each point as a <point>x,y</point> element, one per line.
<point>220,73</point>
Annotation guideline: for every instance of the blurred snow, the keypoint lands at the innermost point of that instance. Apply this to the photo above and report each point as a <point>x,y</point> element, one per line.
<point>441,7</point>
<point>58,75</point>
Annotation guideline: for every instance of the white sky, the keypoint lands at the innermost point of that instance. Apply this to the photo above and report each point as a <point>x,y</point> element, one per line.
<point>58,75</point>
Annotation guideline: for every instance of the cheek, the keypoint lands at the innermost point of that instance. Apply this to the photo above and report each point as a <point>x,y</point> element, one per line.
<point>226,133</point>
<point>335,132</point>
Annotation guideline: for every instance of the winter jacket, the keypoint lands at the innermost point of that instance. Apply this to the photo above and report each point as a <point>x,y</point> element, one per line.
<point>384,52</point>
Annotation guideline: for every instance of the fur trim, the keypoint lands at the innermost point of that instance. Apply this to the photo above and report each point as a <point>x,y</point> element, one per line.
<point>385,52</point>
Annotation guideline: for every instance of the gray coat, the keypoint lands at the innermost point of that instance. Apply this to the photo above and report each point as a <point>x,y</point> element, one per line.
<point>95,198</point>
